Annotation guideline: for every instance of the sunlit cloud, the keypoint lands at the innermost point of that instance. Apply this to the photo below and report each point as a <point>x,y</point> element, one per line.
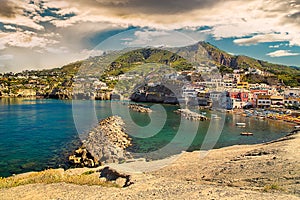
<point>282,53</point>
<point>26,39</point>
<point>65,26</point>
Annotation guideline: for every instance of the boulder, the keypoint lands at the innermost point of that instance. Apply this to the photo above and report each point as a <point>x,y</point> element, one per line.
<point>122,180</point>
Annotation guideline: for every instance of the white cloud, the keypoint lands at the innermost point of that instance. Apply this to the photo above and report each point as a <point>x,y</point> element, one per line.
<point>59,50</point>
<point>157,38</point>
<point>92,53</point>
<point>26,39</point>
<point>66,11</point>
<point>245,18</point>
<point>282,53</point>
<point>38,18</point>
<point>56,4</point>
<point>146,37</point>
<point>6,57</point>
<point>274,46</point>
<point>22,21</point>
<point>272,37</point>
<point>251,22</point>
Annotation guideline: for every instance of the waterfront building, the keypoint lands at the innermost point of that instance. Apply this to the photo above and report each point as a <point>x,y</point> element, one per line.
<point>291,101</point>
<point>277,100</point>
<point>263,101</point>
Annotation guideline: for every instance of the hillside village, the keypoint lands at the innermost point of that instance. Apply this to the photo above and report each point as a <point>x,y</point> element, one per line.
<point>237,93</point>
<point>225,81</point>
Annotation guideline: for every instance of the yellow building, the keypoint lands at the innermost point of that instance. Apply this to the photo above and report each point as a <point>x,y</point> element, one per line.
<point>242,85</point>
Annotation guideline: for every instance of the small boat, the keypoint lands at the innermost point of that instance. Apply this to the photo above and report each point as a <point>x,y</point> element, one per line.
<point>240,124</point>
<point>297,127</point>
<point>246,133</point>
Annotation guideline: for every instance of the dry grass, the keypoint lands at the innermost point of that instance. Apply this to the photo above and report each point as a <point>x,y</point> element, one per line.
<point>53,176</point>
<point>274,186</point>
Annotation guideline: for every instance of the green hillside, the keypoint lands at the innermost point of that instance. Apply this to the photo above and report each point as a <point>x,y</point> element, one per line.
<point>114,65</point>
<point>134,58</point>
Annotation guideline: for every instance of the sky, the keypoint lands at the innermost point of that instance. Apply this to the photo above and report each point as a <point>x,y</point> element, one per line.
<point>38,34</point>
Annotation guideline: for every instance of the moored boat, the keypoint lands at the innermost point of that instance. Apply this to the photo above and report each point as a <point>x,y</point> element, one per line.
<point>240,124</point>
<point>246,133</point>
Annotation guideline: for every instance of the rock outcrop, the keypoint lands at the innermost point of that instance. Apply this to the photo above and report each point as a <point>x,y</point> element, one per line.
<point>82,158</point>
<point>139,108</point>
<point>186,113</point>
<point>156,94</point>
<point>122,180</point>
<point>106,143</point>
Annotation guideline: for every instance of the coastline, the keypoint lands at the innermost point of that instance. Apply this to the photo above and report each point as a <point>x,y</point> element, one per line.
<point>263,171</point>
<point>54,164</point>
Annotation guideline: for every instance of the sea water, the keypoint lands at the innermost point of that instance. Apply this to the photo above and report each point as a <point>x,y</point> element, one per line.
<point>39,134</point>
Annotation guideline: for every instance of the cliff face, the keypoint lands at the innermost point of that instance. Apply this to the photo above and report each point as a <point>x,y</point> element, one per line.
<point>219,56</point>
<point>241,61</point>
<point>157,94</point>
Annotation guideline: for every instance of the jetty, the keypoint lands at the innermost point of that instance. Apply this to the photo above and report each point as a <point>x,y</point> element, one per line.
<point>105,143</point>
<point>190,115</point>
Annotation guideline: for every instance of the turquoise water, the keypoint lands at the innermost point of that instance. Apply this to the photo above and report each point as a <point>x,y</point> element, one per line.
<point>38,134</point>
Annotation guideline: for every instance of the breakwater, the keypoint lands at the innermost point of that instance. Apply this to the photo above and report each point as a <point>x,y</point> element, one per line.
<point>106,143</point>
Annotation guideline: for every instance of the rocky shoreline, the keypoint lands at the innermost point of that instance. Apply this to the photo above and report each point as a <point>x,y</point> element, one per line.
<point>105,143</point>
<point>262,171</point>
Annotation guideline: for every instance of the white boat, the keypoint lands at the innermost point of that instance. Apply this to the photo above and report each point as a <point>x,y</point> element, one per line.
<point>297,127</point>
<point>246,133</point>
<point>240,124</point>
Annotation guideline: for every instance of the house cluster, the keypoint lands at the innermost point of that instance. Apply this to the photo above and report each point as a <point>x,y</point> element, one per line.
<point>202,86</point>
<point>33,83</point>
<point>230,92</point>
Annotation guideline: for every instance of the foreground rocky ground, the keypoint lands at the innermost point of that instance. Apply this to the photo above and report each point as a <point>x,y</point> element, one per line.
<point>265,171</point>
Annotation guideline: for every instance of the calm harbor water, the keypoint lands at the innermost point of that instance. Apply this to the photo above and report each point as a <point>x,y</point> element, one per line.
<point>37,134</point>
